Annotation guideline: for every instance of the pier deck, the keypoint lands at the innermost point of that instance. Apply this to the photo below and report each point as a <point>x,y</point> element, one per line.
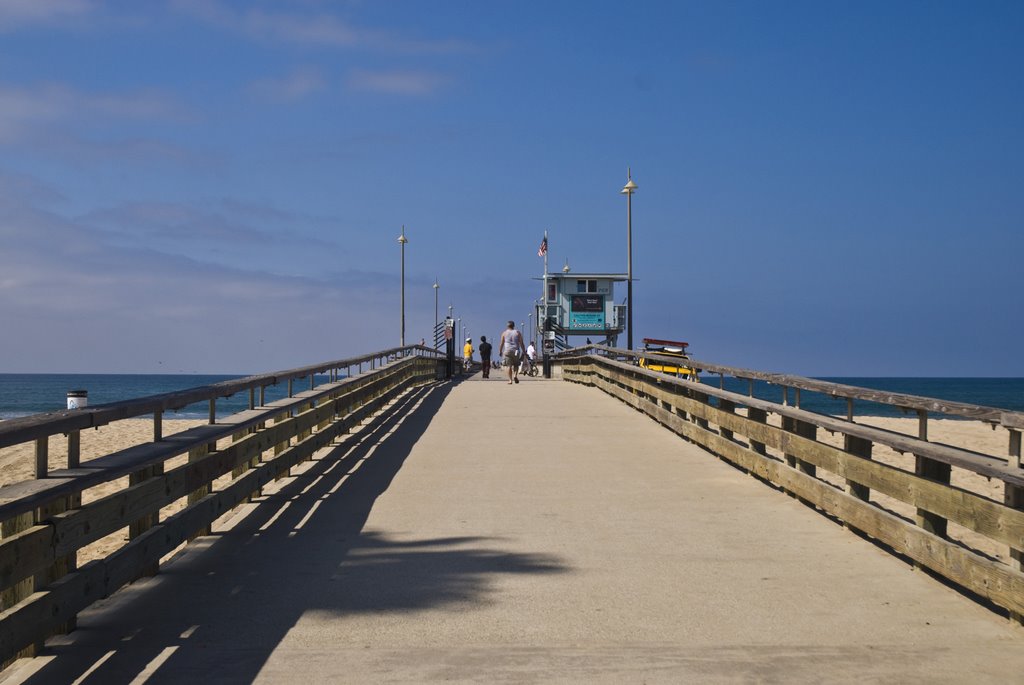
<point>543,532</point>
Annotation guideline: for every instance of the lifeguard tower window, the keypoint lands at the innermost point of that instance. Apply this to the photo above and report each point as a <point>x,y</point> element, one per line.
<point>552,291</point>
<point>586,286</point>
<point>582,303</point>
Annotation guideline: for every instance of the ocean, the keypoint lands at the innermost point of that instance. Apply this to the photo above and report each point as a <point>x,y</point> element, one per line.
<point>25,394</point>
<point>1003,393</point>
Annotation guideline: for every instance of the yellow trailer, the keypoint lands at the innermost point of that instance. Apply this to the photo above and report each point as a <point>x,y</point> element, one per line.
<point>667,348</point>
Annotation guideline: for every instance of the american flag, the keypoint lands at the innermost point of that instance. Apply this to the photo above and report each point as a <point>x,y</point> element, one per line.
<point>543,249</point>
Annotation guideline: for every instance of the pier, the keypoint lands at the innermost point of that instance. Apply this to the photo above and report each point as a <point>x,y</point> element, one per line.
<point>388,522</point>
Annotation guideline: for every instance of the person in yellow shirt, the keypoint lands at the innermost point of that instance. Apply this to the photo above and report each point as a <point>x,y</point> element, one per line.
<point>467,353</point>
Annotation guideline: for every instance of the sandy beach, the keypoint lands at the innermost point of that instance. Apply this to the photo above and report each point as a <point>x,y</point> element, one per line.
<point>16,464</point>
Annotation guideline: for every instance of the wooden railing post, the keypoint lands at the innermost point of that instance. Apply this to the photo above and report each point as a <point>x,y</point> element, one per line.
<point>809,431</point>
<point>70,561</point>
<point>42,457</point>
<point>679,391</point>
<point>932,470</point>
<point>761,416</point>
<point>703,399</point>
<point>263,402</point>
<point>861,448</point>
<point>804,430</point>
<point>1014,497</point>
<point>197,454</point>
<point>309,431</point>
<point>141,525</point>
<point>212,447</point>
<point>730,407</point>
<point>24,588</point>
<point>241,468</point>
<point>74,461</point>
<point>62,565</point>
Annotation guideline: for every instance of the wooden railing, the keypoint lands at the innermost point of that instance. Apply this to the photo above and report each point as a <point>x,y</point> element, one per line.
<point>779,443</point>
<point>44,523</point>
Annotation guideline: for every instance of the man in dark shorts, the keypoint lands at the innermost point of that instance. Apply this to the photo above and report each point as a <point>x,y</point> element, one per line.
<point>485,355</point>
<point>512,350</point>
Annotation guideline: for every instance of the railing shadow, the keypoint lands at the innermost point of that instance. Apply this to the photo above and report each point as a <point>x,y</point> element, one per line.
<point>217,612</point>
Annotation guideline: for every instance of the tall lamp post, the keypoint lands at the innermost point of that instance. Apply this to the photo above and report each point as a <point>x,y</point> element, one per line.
<point>436,286</point>
<point>402,240</point>
<point>628,191</point>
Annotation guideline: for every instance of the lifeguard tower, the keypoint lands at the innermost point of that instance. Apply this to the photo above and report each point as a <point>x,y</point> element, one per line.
<point>579,304</point>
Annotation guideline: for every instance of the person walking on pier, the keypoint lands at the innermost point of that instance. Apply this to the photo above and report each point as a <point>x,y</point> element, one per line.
<point>511,350</point>
<point>485,356</point>
<point>467,353</point>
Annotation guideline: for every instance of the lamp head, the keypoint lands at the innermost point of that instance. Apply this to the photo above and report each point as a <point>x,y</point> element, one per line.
<point>402,239</point>
<point>630,186</point>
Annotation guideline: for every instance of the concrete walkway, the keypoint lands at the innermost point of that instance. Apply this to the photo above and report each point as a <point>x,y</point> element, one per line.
<point>542,532</point>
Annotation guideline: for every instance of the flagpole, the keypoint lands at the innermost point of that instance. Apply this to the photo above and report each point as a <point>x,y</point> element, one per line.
<point>544,293</point>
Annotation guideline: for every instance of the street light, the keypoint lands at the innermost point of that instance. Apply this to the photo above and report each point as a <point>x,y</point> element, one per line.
<point>436,286</point>
<point>628,191</point>
<point>402,240</point>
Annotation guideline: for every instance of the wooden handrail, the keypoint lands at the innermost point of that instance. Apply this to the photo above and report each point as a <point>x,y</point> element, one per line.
<point>993,415</point>
<point>24,496</point>
<point>984,464</point>
<point>19,430</point>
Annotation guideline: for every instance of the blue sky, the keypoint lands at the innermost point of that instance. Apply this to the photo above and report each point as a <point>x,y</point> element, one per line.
<point>208,186</point>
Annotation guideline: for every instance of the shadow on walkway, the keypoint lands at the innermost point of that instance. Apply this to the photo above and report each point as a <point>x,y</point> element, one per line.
<point>218,610</point>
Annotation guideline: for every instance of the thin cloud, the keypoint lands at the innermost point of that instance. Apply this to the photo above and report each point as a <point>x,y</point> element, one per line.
<point>16,187</point>
<point>292,87</point>
<point>130,308</point>
<point>16,14</point>
<point>82,150</point>
<point>59,277</point>
<point>174,222</point>
<point>23,109</point>
<point>317,30</point>
<point>323,30</point>
<point>227,233</point>
<point>396,82</point>
<point>261,25</point>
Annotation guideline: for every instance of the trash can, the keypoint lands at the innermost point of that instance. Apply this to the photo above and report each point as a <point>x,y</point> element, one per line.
<point>78,399</point>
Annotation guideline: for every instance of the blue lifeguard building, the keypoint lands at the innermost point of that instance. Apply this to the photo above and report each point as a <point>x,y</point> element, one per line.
<point>580,304</point>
